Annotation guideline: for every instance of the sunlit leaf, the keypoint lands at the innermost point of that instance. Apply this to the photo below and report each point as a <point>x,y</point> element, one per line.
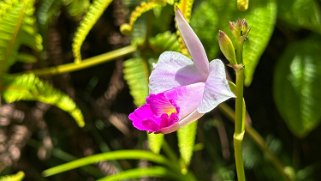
<point>136,76</point>
<point>297,86</point>
<point>186,141</point>
<point>28,87</point>
<point>155,142</point>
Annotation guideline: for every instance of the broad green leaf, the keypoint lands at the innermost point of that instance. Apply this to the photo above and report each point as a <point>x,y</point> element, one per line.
<point>297,84</point>
<point>155,142</point>
<point>136,76</point>
<point>186,141</point>
<point>261,17</point>
<point>301,13</point>
<point>15,177</point>
<point>30,88</point>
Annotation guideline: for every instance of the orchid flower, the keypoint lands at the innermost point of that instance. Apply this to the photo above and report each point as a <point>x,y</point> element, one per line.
<point>181,90</point>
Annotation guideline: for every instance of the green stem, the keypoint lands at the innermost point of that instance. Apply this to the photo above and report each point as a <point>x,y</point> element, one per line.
<point>239,123</point>
<point>257,138</point>
<point>89,62</point>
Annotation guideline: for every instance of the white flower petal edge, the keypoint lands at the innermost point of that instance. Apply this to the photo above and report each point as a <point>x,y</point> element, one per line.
<point>217,89</point>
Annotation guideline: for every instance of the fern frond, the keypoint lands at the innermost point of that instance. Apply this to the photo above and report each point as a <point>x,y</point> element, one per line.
<point>139,10</point>
<point>136,76</point>
<point>17,27</point>
<point>77,7</point>
<point>164,42</point>
<point>46,12</point>
<point>15,177</point>
<point>30,88</point>
<point>96,9</point>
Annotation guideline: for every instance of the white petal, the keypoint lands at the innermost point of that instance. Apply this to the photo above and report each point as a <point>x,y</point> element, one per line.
<point>172,70</point>
<point>194,116</point>
<point>217,89</point>
<point>193,44</point>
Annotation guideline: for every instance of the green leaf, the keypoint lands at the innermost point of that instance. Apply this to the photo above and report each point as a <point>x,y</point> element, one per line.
<point>164,42</point>
<point>155,142</point>
<point>47,11</point>
<point>136,173</point>
<point>114,155</point>
<point>186,141</point>
<point>297,86</point>
<point>261,17</point>
<point>77,7</point>
<point>17,28</point>
<point>30,88</point>
<point>301,13</point>
<point>15,177</point>
<point>136,76</point>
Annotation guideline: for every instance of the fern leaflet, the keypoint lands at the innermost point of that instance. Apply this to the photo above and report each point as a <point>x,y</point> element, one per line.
<point>91,17</point>
<point>30,88</point>
<point>17,27</point>
<point>136,75</point>
<point>139,10</point>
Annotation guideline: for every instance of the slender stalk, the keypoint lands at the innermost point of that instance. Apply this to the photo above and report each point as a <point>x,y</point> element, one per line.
<point>257,138</point>
<point>89,62</point>
<point>239,124</point>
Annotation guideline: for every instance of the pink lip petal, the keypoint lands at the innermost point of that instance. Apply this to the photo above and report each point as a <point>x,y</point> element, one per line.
<point>160,104</point>
<point>143,119</point>
<point>193,44</point>
<point>187,98</point>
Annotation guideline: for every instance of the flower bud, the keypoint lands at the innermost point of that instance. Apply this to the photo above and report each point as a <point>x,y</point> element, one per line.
<point>239,29</point>
<point>242,5</point>
<point>227,47</point>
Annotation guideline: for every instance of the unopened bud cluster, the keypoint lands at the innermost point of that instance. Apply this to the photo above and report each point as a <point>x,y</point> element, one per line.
<point>232,48</point>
